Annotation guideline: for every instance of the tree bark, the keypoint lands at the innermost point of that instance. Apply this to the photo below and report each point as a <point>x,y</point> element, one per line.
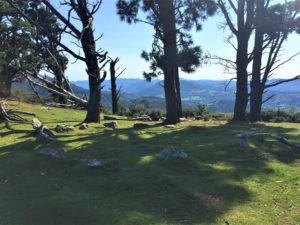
<point>241,100</point>
<point>178,93</point>
<point>5,85</point>
<point>243,35</point>
<point>114,91</point>
<point>91,60</point>
<point>257,87</point>
<point>167,17</point>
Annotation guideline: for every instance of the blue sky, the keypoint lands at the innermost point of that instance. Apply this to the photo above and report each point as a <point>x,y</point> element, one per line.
<point>128,41</point>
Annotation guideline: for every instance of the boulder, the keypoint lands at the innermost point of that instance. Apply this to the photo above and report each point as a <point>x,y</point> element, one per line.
<point>53,152</point>
<point>84,126</point>
<point>172,153</point>
<point>113,125</point>
<point>44,134</point>
<point>60,128</point>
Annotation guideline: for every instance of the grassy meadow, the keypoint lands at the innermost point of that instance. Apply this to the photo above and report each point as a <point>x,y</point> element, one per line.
<point>219,183</point>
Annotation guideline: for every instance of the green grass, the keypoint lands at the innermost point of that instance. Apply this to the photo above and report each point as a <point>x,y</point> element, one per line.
<point>218,182</point>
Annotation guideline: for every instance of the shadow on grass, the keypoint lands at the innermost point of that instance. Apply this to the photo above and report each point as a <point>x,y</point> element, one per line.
<point>143,189</point>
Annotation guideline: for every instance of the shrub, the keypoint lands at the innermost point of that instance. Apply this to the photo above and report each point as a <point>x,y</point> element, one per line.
<point>155,115</point>
<point>137,110</point>
<point>280,115</point>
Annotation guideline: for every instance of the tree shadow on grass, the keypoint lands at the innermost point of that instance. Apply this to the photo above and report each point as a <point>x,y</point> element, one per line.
<point>136,187</point>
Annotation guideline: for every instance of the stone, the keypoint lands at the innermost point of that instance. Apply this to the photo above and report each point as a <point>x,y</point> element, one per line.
<point>53,152</point>
<point>84,126</point>
<point>142,118</point>
<point>45,108</point>
<point>60,128</point>
<point>110,118</point>
<point>140,125</point>
<point>170,126</point>
<point>92,163</point>
<point>172,153</point>
<point>113,125</point>
<point>44,134</point>
<point>182,119</point>
<point>36,124</point>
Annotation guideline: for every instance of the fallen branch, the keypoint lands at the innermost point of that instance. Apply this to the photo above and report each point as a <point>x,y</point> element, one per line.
<point>285,141</point>
<point>261,138</point>
<point>9,115</point>
<point>55,89</point>
<point>21,112</point>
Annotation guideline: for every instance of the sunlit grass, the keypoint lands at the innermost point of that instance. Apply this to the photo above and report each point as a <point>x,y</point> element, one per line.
<point>218,182</point>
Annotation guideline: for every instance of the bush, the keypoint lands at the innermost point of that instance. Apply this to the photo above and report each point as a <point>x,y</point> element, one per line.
<point>280,115</point>
<point>155,115</point>
<point>197,112</point>
<point>137,110</point>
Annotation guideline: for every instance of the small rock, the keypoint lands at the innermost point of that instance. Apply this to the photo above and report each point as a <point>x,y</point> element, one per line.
<point>60,128</point>
<point>142,118</point>
<point>92,163</point>
<point>45,108</point>
<point>140,125</point>
<point>172,153</point>
<point>54,152</point>
<point>84,126</point>
<point>170,126</point>
<point>113,125</point>
<point>182,119</point>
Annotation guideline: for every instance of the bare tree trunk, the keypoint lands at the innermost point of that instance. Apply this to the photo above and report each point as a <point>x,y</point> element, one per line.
<point>170,68</point>
<point>114,91</point>
<point>91,60</point>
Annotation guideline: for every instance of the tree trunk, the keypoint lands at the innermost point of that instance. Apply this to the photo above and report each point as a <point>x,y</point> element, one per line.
<point>91,60</point>
<point>243,34</point>
<point>167,17</point>
<point>178,93</point>
<point>241,100</point>
<point>114,91</point>
<point>256,83</point>
<point>5,85</point>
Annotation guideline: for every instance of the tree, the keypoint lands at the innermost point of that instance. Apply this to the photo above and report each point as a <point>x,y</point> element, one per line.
<point>17,48</point>
<point>172,20</point>
<point>95,60</point>
<point>273,24</point>
<point>115,92</point>
<point>244,12</point>
<point>51,55</point>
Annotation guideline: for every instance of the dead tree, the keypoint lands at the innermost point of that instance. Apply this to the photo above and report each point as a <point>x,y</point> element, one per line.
<point>115,92</point>
<point>95,60</point>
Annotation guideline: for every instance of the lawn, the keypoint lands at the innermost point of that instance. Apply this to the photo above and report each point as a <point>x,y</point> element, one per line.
<point>219,183</point>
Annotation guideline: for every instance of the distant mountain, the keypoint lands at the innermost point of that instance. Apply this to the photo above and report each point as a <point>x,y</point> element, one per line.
<point>193,92</point>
